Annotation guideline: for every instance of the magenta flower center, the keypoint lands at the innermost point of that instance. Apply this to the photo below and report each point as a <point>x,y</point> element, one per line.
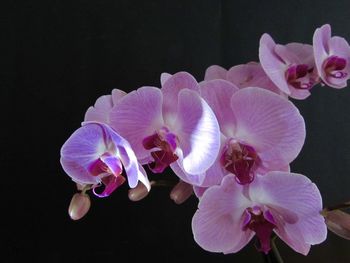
<point>334,65</point>
<point>241,160</point>
<point>298,76</point>
<point>163,143</point>
<point>262,224</point>
<point>109,168</point>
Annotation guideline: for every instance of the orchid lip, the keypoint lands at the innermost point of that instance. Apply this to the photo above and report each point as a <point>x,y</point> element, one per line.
<point>111,183</point>
<point>262,223</point>
<point>241,160</point>
<point>298,76</point>
<point>163,144</point>
<point>334,65</point>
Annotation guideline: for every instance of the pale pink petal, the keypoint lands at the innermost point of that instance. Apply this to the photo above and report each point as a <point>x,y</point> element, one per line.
<point>82,148</point>
<point>270,124</point>
<point>339,47</point>
<point>103,105</point>
<point>299,94</point>
<point>296,203</point>
<point>100,111</point>
<point>217,93</point>
<point>287,55</point>
<point>164,77</point>
<point>215,72</point>
<point>273,65</point>
<point>252,75</point>
<point>134,171</point>
<point>138,115</point>
<point>198,133</point>
<point>243,75</point>
<point>199,191</point>
<point>304,52</point>
<point>117,94</point>
<point>217,224</point>
<point>171,89</point>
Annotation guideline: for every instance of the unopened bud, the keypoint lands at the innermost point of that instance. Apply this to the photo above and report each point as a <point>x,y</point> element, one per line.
<point>338,222</point>
<point>79,206</point>
<point>138,193</point>
<point>181,192</point>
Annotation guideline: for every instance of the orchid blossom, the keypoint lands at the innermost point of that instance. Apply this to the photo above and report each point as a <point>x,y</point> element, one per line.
<point>230,214</point>
<point>95,154</point>
<point>332,57</point>
<point>290,67</point>
<point>169,126</point>
<point>260,131</point>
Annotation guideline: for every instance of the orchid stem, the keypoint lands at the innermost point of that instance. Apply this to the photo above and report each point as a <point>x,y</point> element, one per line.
<point>276,252</point>
<point>162,183</point>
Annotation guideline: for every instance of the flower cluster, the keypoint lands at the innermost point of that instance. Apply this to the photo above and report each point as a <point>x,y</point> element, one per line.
<point>230,139</point>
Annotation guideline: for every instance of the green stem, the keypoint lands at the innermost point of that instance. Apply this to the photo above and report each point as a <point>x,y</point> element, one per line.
<point>276,252</point>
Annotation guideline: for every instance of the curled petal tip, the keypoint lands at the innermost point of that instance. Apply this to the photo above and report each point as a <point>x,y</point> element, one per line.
<point>181,192</point>
<point>79,206</point>
<point>138,193</point>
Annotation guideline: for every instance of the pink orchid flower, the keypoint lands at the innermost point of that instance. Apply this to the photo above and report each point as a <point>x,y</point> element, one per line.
<point>288,204</point>
<point>243,76</point>
<point>103,105</point>
<point>291,67</point>
<point>332,57</point>
<point>169,126</point>
<point>95,154</point>
<point>260,132</point>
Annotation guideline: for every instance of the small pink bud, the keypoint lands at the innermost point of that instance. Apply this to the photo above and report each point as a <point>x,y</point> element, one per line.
<point>338,222</point>
<point>138,193</point>
<point>181,192</point>
<point>79,206</point>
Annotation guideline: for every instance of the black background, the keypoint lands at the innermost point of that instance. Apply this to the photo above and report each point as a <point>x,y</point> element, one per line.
<point>58,57</point>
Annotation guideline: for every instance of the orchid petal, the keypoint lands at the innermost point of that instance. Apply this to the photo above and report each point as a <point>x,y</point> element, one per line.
<point>198,132</point>
<point>304,52</point>
<point>100,111</point>
<point>215,72</point>
<point>82,148</point>
<point>103,105</point>
<point>217,93</point>
<point>217,224</point>
<point>164,77</point>
<point>171,89</point>
<point>117,94</point>
<point>138,115</point>
<point>269,123</point>
<point>273,65</point>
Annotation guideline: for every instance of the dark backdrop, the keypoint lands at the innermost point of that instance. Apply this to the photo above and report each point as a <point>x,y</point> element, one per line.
<point>59,56</point>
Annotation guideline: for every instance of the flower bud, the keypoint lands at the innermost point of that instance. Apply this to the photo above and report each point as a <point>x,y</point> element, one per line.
<point>181,192</point>
<point>138,193</point>
<point>339,223</point>
<point>79,206</point>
